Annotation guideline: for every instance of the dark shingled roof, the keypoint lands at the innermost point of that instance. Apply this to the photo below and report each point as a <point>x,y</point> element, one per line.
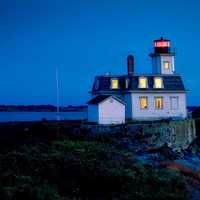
<point>101,98</point>
<point>170,82</point>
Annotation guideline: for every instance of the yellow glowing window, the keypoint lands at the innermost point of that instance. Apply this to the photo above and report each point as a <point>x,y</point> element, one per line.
<point>143,82</point>
<point>158,82</point>
<point>159,102</point>
<point>143,103</point>
<point>114,84</point>
<point>166,64</point>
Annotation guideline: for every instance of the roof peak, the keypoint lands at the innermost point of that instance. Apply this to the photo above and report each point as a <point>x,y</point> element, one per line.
<point>99,98</point>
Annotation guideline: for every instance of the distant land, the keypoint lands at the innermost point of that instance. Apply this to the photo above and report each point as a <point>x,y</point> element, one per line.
<point>52,108</point>
<point>192,108</point>
<point>41,108</point>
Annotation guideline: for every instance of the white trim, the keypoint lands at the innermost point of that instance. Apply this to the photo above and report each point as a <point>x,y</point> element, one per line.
<point>115,98</point>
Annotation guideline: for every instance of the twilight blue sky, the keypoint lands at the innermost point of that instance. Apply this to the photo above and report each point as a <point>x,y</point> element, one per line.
<point>84,38</point>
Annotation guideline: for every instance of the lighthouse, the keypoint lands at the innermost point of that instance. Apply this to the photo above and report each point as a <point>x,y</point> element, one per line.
<point>158,95</point>
<point>162,57</point>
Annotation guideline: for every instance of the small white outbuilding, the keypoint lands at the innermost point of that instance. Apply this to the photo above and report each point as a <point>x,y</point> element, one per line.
<point>106,109</point>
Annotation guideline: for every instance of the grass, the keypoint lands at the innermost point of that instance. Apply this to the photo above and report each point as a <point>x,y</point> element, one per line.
<point>77,169</point>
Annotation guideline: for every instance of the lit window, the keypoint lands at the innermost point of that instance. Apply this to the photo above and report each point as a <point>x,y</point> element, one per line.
<point>114,84</point>
<point>158,82</point>
<point>126,83</point>
<point>166,65</point>
<point>143,82</point>
<point>159,102</point>
<point>143,103</point>
<point>174,103</point>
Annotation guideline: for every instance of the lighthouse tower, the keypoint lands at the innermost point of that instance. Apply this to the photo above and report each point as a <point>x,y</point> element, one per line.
<point>162,57</point>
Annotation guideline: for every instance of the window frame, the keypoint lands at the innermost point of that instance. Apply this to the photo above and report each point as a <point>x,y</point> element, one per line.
<point>111,83</point>
<point>177,101</point>
<point>162,102</point>
<point>127,83</point>
<point>143,97</point>
<point>154,83</point>
<point>139,83</point>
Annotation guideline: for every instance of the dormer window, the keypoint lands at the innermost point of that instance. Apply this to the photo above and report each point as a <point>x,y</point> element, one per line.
<point>158,82</point>
<point>143,82</point>
<point>114,84</point>
<point>97,84</point>
<point>166,64</point>
<point>126,83</point>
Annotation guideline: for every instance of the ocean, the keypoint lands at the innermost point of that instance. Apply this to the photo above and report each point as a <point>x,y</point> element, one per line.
<point>37,116</point>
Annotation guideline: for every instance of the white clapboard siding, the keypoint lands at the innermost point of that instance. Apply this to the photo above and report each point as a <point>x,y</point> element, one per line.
<point>109,111</point>
<point>152,112</point>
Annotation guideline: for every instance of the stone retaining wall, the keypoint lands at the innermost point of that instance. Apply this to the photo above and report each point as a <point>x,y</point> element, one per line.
<point>178,134</point>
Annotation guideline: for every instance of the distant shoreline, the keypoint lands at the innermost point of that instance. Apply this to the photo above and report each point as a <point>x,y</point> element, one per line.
<point>41,108</point>
<point>41,111</point>
<point>52,108</point>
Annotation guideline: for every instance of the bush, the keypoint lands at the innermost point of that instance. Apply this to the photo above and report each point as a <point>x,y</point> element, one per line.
<point>82,170</point>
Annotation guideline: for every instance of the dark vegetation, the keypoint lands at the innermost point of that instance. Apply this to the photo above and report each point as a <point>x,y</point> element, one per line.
<point>196,116</point>
<point>50,161</point>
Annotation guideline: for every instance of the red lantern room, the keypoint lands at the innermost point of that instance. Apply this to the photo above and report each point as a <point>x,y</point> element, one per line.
<point>161,46</point>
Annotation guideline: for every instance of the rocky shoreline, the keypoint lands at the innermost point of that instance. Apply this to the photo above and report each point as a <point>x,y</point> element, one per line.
<point>184,163</point>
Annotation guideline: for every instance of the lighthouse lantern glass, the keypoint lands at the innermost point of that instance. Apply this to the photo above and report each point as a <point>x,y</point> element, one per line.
<point>162,43</point>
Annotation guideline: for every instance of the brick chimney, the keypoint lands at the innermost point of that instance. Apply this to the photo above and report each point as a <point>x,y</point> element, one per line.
<point>130,64</point>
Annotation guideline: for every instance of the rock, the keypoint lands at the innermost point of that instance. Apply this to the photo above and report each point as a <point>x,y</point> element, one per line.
<point>167,152</point>
<point>164,151</point>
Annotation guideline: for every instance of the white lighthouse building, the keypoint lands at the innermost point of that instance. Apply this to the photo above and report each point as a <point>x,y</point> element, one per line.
<point>158,95</point>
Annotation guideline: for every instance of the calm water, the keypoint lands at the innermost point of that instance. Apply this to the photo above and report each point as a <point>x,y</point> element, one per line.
<point>35,116</point>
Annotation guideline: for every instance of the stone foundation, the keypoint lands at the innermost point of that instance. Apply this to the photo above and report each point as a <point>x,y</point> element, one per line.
<point>177,134</point>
